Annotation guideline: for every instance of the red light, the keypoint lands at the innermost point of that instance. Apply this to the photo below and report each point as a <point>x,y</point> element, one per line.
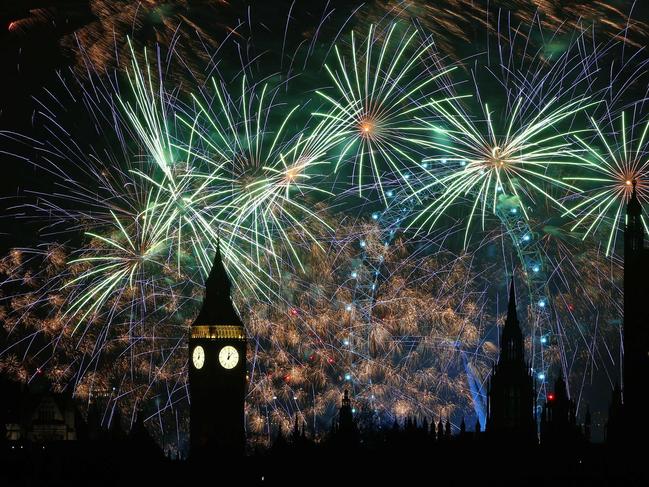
<point>287,378</point>
<point>550,397</point>
<point>294,311</point>
<point>330,360</point>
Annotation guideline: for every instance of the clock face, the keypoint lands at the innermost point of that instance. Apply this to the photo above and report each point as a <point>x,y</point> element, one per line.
<point>198,357</point>
<point>228,357</point>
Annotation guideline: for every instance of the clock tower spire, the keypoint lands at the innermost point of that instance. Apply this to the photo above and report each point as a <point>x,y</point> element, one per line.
<point>217,370</point>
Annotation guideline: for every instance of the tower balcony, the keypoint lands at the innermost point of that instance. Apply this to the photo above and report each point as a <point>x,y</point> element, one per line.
<point>219,332</point>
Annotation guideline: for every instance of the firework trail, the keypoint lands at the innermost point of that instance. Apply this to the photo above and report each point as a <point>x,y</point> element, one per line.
<point>425,314</point>
<point>500,155</point>
<point>613,169</point>
<point>103,309</point>
<point>508,162</point>
<point>106,305</point>
<point>99,31</point>
<point>496,170</point>
<point>379,92</point>
<point>458,24</point>
<point>585,285</point>
<point>110,310</point>
<point>259,176</point>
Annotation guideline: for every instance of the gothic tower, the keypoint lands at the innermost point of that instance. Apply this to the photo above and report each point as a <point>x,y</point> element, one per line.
<point>345,416</point>
<point>346,433</point>
<point>559,418</point>
<point>511,393</point>
<point>635,366</point>
<point>217,371</point>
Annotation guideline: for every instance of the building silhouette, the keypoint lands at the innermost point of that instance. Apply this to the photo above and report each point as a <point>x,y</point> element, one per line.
<point>217,371</point>
<point>36,414</point>
<point>559,418</point>
<point>344,431</point>
<point>217,385</point>
<point>510,402</point>
<point>615,422</point>
<point>345,415</point>
<point>635,365</point>
<point>406,450</point>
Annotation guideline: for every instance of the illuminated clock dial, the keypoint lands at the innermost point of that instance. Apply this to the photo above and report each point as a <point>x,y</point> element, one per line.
<point>228,357</point>
<point>198,357</point>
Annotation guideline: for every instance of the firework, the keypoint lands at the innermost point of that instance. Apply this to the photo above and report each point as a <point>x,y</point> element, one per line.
<point>496,170</point>
<point>108,316</point>
<point>332,299</point>
<point>195,29</point>
<point>456,34</point>
<point>510,158</point>
<point>378,93</point>
<point>259,177</point>
<point>615,164</point>
<point>427,322</point>
<point>113,311</point>
<point>584,283</point>
<point>180,205</point>
<point>509,162</point>
<point>101,44</point>
<point>104,315</point>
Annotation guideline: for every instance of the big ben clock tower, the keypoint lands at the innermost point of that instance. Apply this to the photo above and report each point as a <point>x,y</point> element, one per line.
<point>217,371</point>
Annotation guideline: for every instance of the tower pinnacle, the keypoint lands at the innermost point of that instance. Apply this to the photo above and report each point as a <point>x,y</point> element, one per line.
<point>634,208</point>
<point>217,305</point>
<point>512,313</point>
<point>512,337</point>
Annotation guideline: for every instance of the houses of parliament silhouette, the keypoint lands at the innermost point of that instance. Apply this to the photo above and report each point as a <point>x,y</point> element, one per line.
<point>512,419</point>
<point>518,445</point>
